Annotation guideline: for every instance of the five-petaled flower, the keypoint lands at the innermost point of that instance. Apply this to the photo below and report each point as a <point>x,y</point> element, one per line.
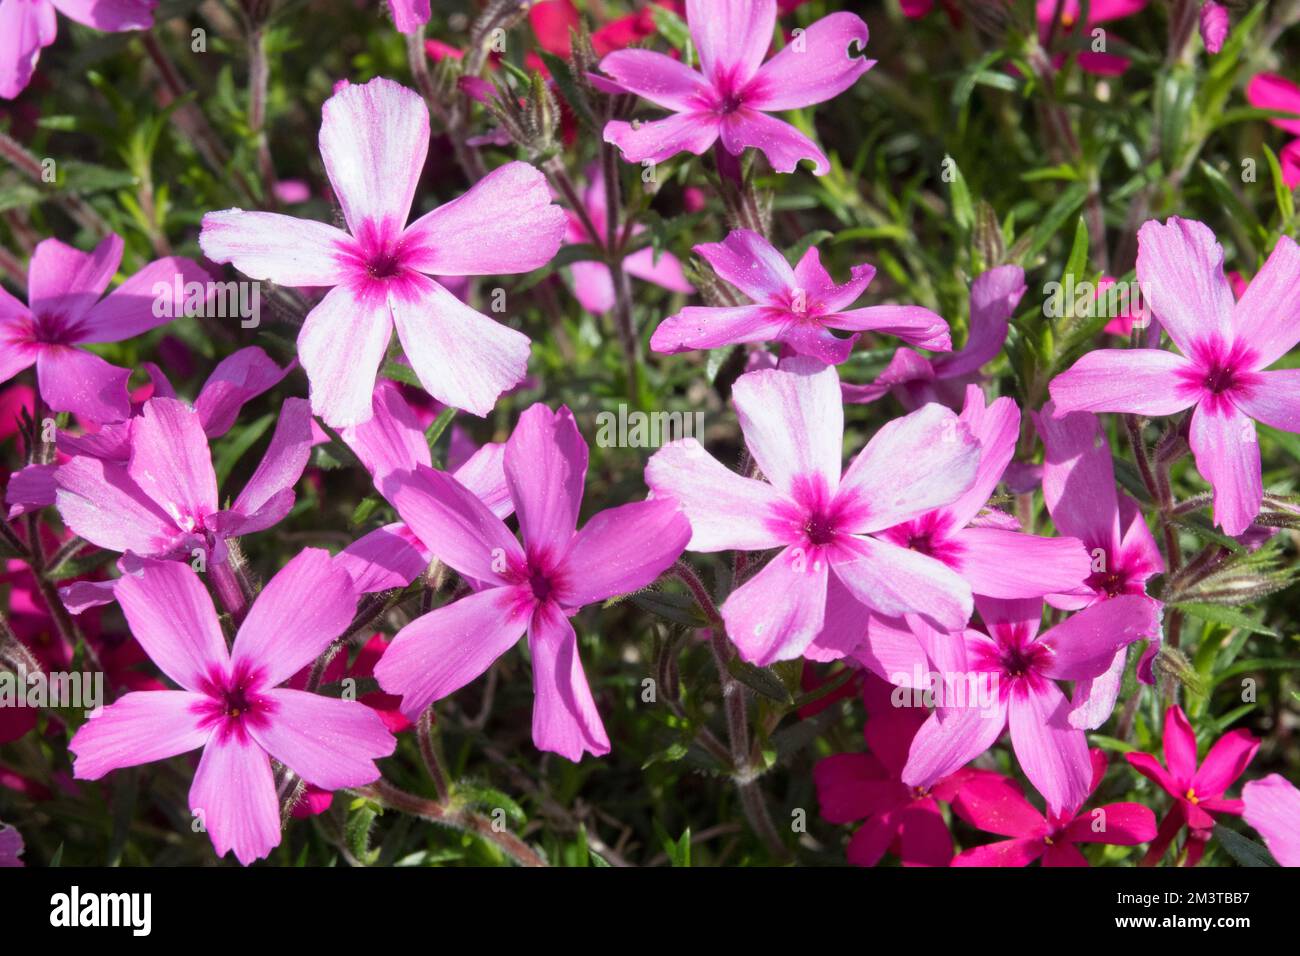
<point>1226,347</point>
<point>535,587</point>
<point>824,518</point>
<point>1197,789</point>
<point>373,140</point>
<point>232,704</point>
<point>797,307</point>
<point>730,96</point>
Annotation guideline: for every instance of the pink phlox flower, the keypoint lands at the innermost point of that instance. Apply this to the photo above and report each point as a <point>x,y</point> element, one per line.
<point>66,308</point>
<point>535,587</point>
<point>915,379</point>
<point>232,704</point>
<point>374,139</point>
<point>1198,789</point>
<point>730,96</point>
<point>801,308</point>
<point>1010,676</point>
<point>826,519</point>
<point>994,803</point>
<point>1221,375</point>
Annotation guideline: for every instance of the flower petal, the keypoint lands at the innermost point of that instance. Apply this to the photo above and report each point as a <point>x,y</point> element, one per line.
<point>233,797</point>
<point>1268,315</point>
<point>1180,269</point>
<point>65,282</point>
<point>373,139</point>
<point>1227,456</point>
<point>1007,564</point>
<point>238,378</point>
<point>726,511</point>
<point>276,248</point>
<point>462,357</point>
<point>658,78</point>
<point>1053,755</point>
<point>145,301</point>
<point>170,460</point>
<point>1274,399</point>
<point>1225,762</point>
<point>662,139</point>
<point>565,719</point>
<point>1273,808</point>
<point>340,346</point>
<point>731,37</point>
<point>140,727</point>
<point>944,746</point>
<point>782,144</point>
<point>279,470</point>
<point>546,467</point>
<point>994,296</point>
<point>506,223</point>
<point>911,323</point>
<point>621,550</point>
<point>705,327</point>
<point>895,581</point>
<point>74,380</point>
<point>442,651</point>
<point>1084,644</point>
<point>1142,381</point>
<point>171,615</point>
<point>793,423</point>
<point>99,501</point>
<point>913,464</point>
<point>752,264</point>
<point>776,614</point>
<point>330,743</point>
<point>818,64</point>
<point>454,524</point>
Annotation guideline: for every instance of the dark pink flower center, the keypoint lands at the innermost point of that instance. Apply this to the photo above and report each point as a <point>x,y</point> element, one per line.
<point>541,584</point>
<point>1110,583</point>
<point>819,527</point>
<point>234,703</point>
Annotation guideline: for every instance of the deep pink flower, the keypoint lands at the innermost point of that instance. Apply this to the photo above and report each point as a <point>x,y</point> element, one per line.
<point>1214,25</point>
<point>28,25</point>
<point>11,846</point>
<point>390,442</point>
<point>1272,806</point>
<point>409,15</point>
<point>232,705</point>
<point>65,310</point>
<point>1081,496</point>
<point>534,588</point>
<point>162,501</point>
<point>868,786</point>
<point>1268,91</point>
<point>824,518</point>
<point>373,140</point>
<point>593,285</point>
<point>553,20</point>
<point>1099,11</point>
<point>1226,347</point>
<point>797,307</point>
<point>1198,791</point>
<point>915,379</point>
<point>731,95</point>
<point>994,803</point>
<point>1022,667</point>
